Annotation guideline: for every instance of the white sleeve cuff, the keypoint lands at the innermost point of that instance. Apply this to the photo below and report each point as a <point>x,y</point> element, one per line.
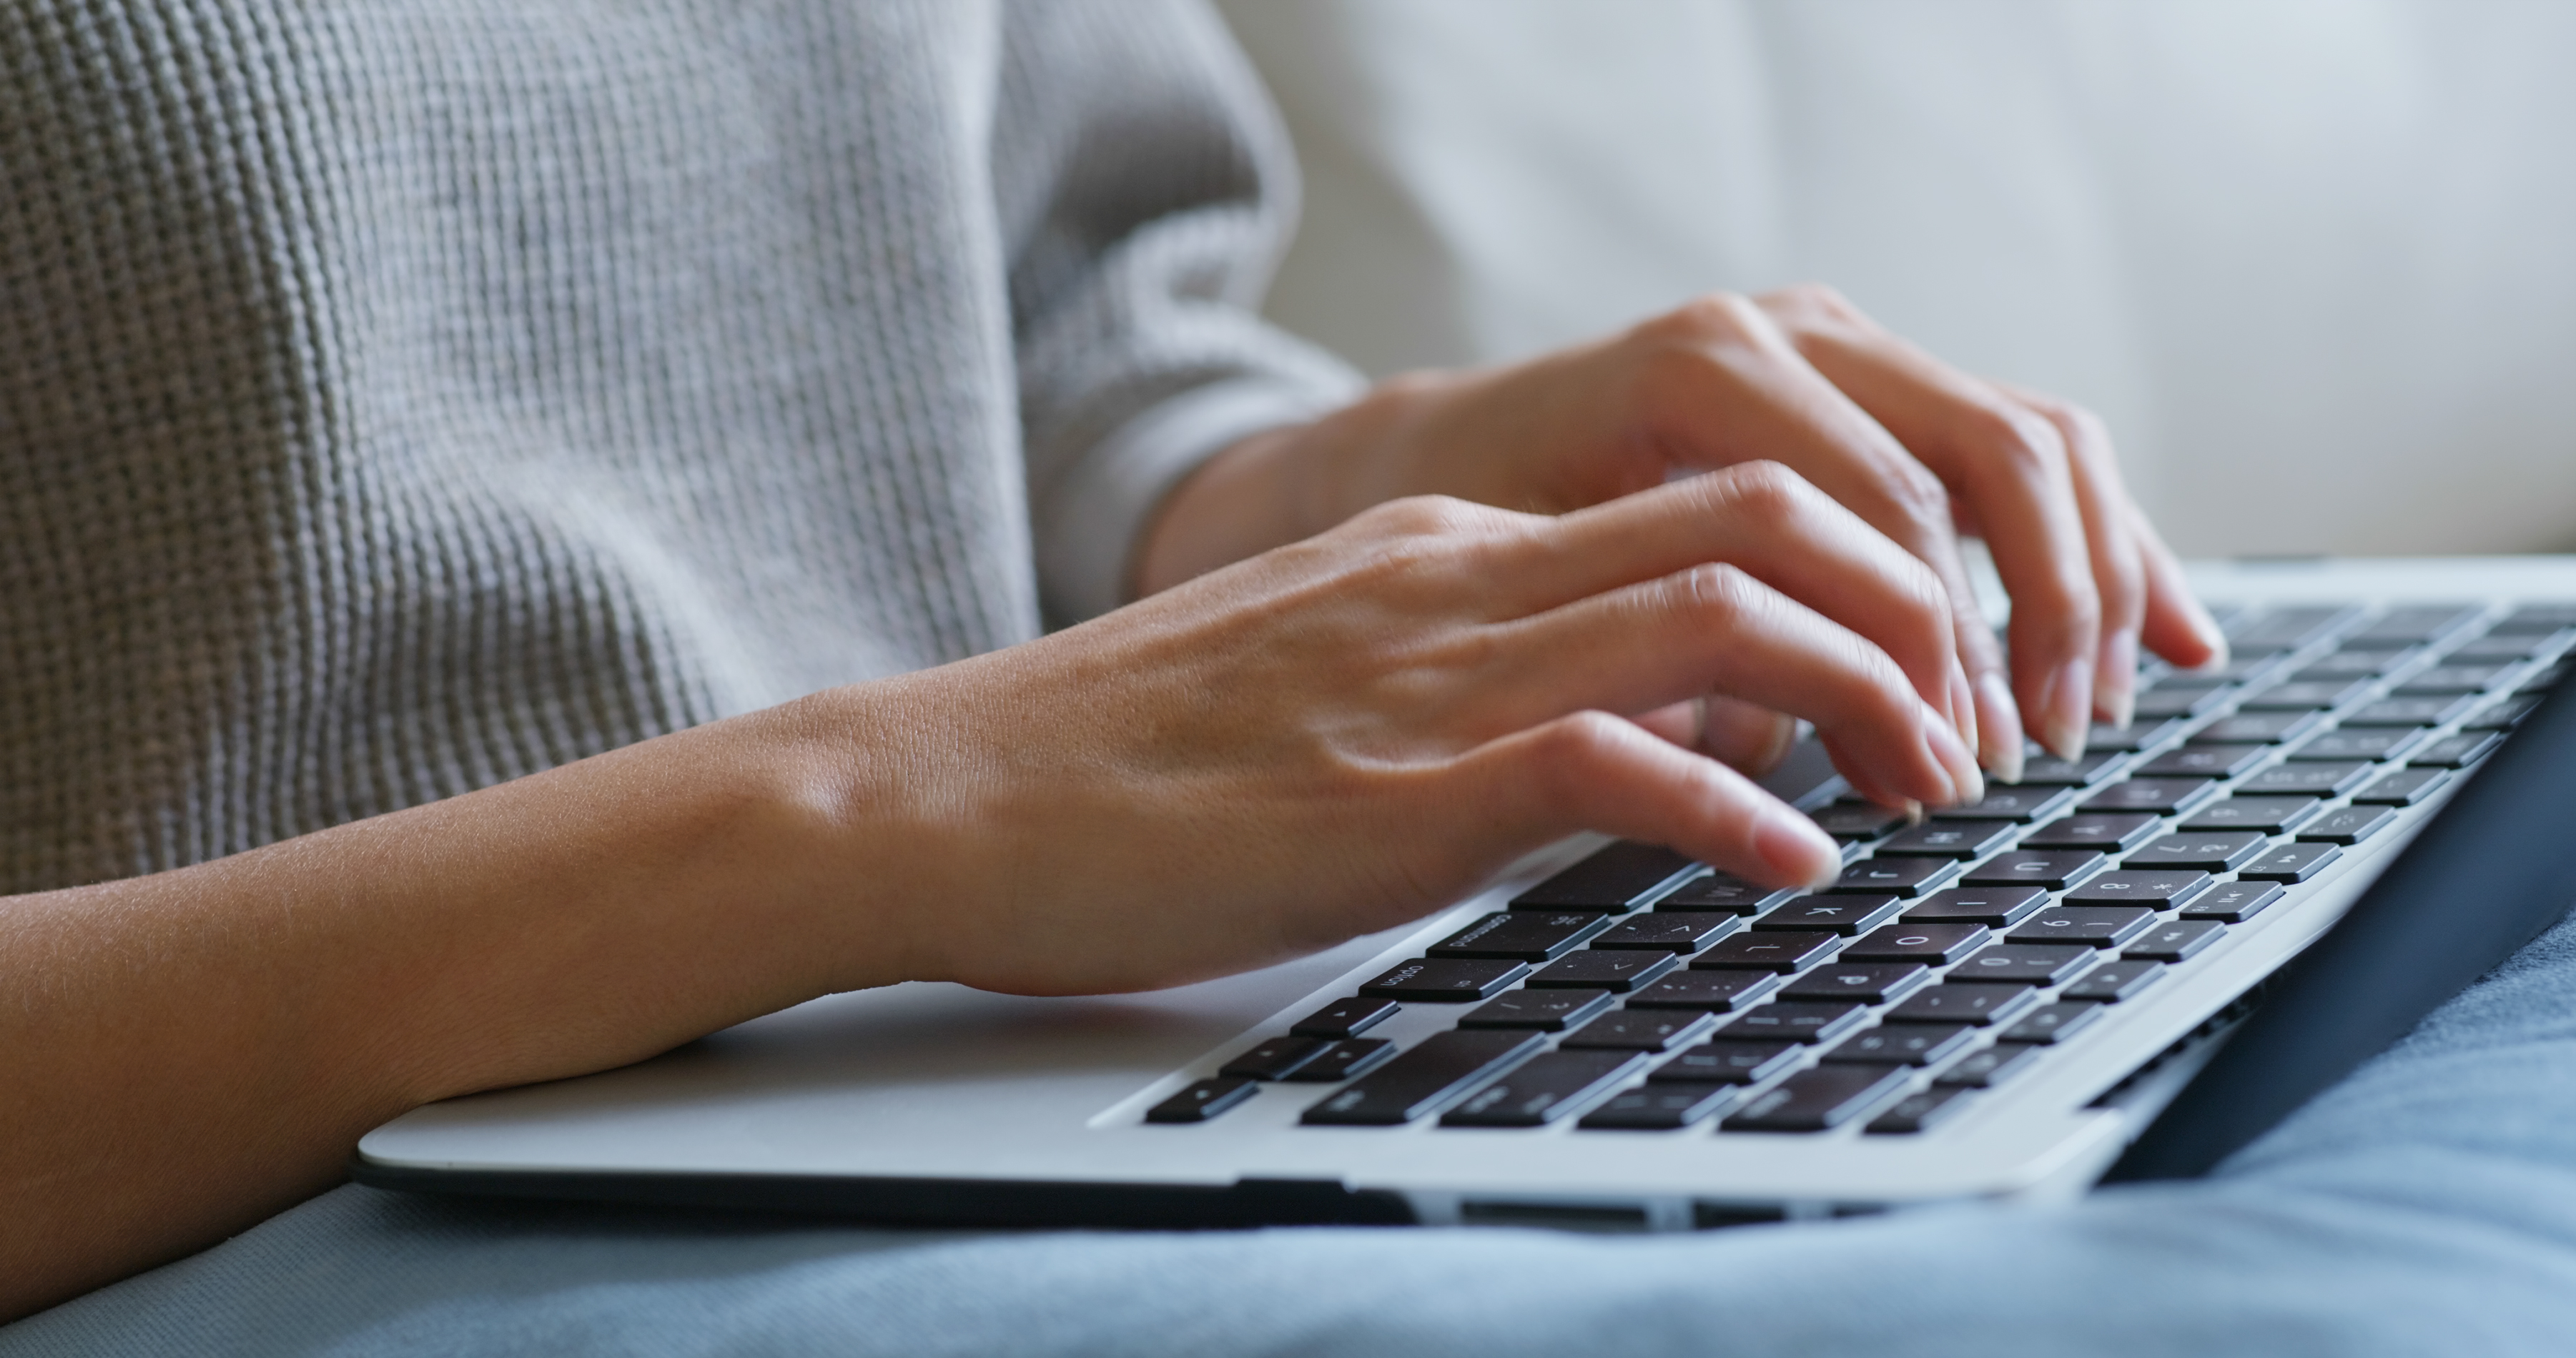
<point>1089,526</point>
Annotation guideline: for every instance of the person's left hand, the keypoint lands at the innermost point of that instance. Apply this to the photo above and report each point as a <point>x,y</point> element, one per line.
<point>1920,450</point>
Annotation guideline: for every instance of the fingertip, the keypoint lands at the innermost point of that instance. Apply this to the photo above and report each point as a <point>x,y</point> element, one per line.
<point>1999,733</point>
<point>1795,850</point>
<point>2115,681</point>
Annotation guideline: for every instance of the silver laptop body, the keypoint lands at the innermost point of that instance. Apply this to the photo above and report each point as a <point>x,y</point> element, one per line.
<point>937,1104</point>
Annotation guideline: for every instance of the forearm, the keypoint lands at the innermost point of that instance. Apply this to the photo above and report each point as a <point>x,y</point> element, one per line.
<point>192,1051</point>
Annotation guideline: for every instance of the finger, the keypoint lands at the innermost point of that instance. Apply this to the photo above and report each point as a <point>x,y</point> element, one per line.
<point>1593,771</point>
<point>2010,469</point>
<point>1716,628</point>
<point>1723,383</point>
<point>2119,567</point>
<point>1765,520</point>
<point>1746,737</point>
<point>2176,626</point>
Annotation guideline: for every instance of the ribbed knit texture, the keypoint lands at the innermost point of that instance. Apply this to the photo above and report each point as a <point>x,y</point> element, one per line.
<point>400,397</point>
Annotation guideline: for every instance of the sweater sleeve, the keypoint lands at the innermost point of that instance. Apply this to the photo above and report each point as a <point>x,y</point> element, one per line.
<point>1147,191</point>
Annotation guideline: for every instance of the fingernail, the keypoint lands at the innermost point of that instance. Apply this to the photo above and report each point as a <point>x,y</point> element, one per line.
<point>1963,706</point>
<point>1943,744</point>
<point>2066,709</point>
<point>1913,812</point>
<point>1795,849</point>
<point>1999,737</point>
<point>2216,640</point>
<point>1966,784</point>
<point>2115,684</point>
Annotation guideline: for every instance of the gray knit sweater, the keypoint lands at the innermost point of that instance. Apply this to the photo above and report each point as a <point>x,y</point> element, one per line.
<point>401,396</point>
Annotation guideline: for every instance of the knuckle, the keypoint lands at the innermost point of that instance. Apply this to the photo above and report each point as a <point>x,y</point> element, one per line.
<point>1425,516</point>
<point>1919,496</point>
<point>1714,592</point>
<point>1705,318</point>
<point>2025,440</point>
<point>1769,489</point>
<point>1812,300</point>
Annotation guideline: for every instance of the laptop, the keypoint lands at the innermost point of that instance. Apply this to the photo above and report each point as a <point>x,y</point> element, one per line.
<point>2003,1001</point>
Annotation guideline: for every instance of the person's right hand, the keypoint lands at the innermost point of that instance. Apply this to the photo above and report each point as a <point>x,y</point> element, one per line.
<point>1351,731</point>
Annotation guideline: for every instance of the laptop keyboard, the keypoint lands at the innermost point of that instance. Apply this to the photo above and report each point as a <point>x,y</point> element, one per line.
<point>1640,991</point>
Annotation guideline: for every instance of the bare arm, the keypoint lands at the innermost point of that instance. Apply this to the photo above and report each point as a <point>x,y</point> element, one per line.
<point>1429,691</point>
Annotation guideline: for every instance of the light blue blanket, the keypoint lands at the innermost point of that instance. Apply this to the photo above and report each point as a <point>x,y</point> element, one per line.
<point>2425,1206</point>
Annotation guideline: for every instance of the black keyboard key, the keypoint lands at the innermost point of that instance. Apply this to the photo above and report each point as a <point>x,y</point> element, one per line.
<point>2303,694</point>
<point>1921,1112</point>
<point>1529,935</point>
<point>2021,805</point>
<point>2410,711</point>
<point>2413,625</point>
<point>2161,890</point>
<point>2233,901</point>
<point>1991,1067</point>
<point>1668,933</point>
<point>2094,926</point>
<point>1869,982</point>
<point>2405,787</point>
<point>2362,742</point>
<point>2112,830</point>
<point>2497,648</point>
<point>1715,991</point>
<point>2351,665</point>
<point>2284,629</point>
<point>1642,1030</point>
<point>1993,907</point>
<point>1345,1018</point>
<point>1845,915</point>
<point>2165,704</point>
<point>1203,1099</point>
<point>2290,863</point>
<point>2113,982</point>
<point>1853,821</point>
<point>2271,815</point>
<point>1661,1108</point>
<point>1950,839</point>
<point>1443,1069</point>
<point>2503,715</point>
<point>2052,1023</point>
<point>2455,752</point>
<point>1796,1021</point>
<point>1738,1063</point>
<point>1818,1099</point>
<point>2541,619</point>
<point>2112,739</point>
<point>1542,1089</point>
<point>1909,1044</point>
<point>2202,761</point>
<point>1768,951</point>
<point>2447,680</point>
<point>1616,878</point>
<point>1447,980</point>
<point>1275,1058</point>
<point>2047,770</point>
<point>2206,850</point>
<point>2179,941</point>
<point>2543,680</point>
<point>1343,1059</point>
<point>1723,893</point>
<point>1551,1011</point>
<point>1964,1002</point>
<point>1913,941</point>
<point>1620,971</point>
<point>2306,777</point>
<point>1894,876</point>
<point>2157,796</point>
<point>2036,963</point>
<point>2255,728</point>
<point>2052,868</point>
<point>2348,825</point>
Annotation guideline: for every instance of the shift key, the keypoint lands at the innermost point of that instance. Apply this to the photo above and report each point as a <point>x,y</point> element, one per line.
<point>1445,1068</point>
